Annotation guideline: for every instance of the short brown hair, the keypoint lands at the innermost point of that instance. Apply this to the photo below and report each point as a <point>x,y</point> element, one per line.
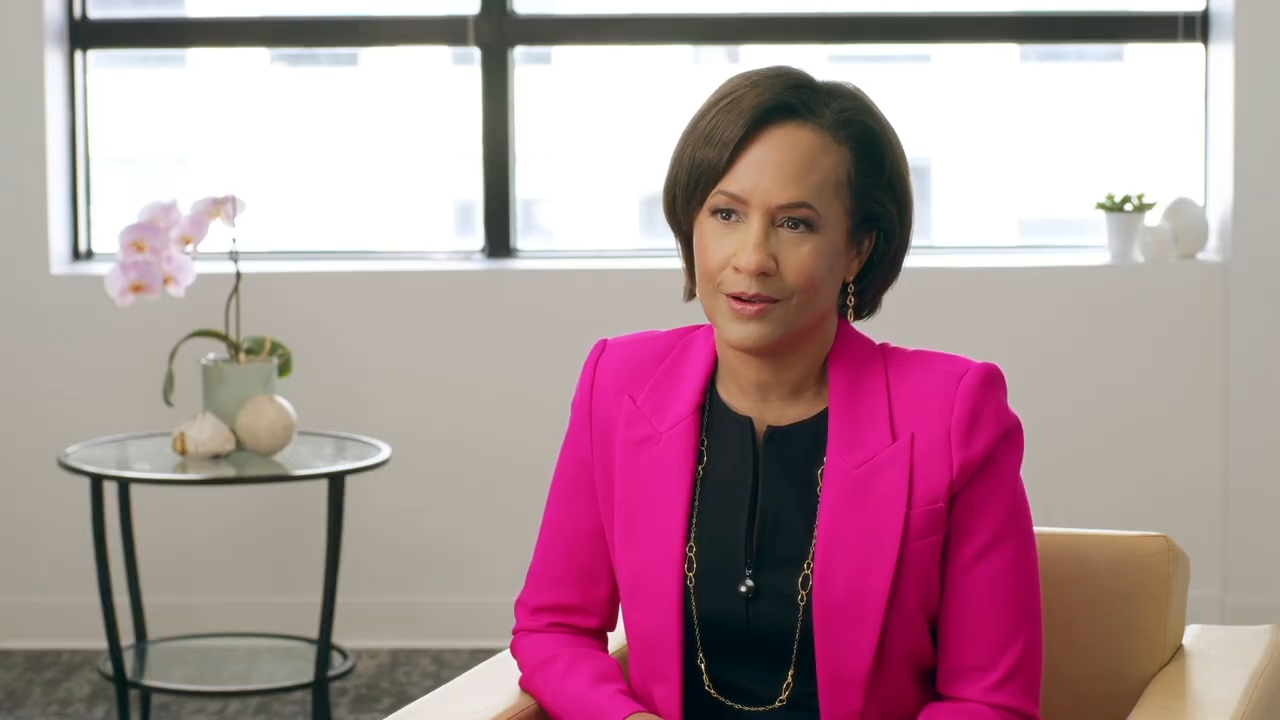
<point>880,198</point>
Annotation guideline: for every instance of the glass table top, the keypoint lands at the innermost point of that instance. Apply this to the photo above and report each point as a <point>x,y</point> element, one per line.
<point>149,458</point>
<point>226,664</point>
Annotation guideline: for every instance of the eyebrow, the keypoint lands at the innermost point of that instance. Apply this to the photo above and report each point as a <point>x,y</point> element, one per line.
<point>797,205</point>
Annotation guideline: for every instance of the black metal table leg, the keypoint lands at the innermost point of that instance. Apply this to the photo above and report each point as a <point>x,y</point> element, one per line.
<point>135,594</point>
<point>320,709</point>
<point>103,562</point>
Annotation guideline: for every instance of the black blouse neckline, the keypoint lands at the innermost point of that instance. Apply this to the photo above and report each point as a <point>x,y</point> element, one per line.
<point>758,509</point>
<point>719,405</point>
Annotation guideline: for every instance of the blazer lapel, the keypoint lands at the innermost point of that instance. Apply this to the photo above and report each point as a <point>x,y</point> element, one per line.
<point>657,453</point>
<point>860,522</point>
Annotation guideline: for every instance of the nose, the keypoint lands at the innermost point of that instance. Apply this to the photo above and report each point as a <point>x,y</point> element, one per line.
<point>754,256</point>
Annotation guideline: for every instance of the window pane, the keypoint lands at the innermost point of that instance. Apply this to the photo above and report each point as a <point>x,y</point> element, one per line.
<point>636,7</point>
<point>372,149</point>
<point>1007,147</point>
<point>266,8</point>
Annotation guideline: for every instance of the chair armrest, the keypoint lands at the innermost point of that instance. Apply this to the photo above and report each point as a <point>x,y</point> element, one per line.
<point>1221,672</point>
<point>489,691</point>
<point>485,691</point>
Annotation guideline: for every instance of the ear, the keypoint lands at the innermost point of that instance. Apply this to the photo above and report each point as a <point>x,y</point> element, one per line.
<point>859,252</point>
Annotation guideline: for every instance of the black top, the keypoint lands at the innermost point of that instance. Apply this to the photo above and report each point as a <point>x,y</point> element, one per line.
<point>757,510</point>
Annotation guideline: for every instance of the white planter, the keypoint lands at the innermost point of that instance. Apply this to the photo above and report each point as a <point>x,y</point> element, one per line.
<point>1124,231</point>
<point>228,385</point>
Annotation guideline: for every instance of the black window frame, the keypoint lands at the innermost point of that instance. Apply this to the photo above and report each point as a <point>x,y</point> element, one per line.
<point>497,30</point>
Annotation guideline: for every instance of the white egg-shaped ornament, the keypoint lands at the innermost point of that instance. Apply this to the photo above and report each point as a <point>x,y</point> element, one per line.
<point>266,424</point>
<point>1157,243</point>
<point>1190,227</point>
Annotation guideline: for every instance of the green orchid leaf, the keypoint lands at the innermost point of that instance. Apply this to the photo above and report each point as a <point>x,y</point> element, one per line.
<point>262,346</point>
<point>1125,203</point>
<point>173,354</point>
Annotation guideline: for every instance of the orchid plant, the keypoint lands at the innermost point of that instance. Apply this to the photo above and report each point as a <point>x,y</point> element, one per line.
<point>157,256</point>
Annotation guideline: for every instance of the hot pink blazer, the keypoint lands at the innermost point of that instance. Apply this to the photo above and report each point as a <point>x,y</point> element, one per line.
<point>926,590</point>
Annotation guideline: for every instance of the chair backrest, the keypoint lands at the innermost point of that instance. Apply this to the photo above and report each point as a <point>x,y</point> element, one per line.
<point>1115,607</point>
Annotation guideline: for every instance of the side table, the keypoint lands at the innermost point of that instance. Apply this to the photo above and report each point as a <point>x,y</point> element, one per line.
<point>221,664</point>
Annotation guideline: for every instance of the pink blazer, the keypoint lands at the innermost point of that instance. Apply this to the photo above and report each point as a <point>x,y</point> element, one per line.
<point>926,590</point>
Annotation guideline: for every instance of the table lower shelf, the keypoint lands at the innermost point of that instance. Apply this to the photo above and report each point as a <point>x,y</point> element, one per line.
<point>226,664</point>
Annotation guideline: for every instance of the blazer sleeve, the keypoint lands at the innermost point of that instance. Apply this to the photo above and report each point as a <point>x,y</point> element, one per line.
<point>569,602</point>
<point>989,626</point>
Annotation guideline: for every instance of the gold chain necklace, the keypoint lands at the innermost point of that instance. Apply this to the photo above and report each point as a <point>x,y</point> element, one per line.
<point>804,584</point>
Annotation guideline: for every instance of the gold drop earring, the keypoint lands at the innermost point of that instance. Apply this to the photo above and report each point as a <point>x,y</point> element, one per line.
<point>850,312</point>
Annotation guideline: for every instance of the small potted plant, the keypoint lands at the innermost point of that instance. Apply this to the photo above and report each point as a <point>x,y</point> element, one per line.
<point>1126,218</point>
<point>156,256</point>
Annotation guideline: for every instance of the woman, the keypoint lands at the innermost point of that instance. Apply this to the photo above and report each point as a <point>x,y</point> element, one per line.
<point>794,519</point>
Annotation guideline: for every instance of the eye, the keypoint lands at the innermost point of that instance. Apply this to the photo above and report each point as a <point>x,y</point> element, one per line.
<point>793,224</point>
<point>724,214</point>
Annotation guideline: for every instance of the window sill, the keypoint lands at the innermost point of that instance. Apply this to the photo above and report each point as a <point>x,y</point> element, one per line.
<point>368,263</point>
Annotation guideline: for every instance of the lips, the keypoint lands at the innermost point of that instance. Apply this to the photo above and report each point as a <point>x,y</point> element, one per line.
<point>754,298</point>
<point>751,305</point>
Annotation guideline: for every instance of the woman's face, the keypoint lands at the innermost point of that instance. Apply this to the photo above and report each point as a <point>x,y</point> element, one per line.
<point>771,245</point>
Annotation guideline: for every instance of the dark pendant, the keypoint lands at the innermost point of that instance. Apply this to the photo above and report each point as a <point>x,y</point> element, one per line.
<point>747,587</point>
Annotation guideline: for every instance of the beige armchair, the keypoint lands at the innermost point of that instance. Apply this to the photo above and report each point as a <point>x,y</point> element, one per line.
<point>1116,645</point>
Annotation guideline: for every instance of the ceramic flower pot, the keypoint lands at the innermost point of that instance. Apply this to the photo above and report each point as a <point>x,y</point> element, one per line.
<point>1124,231</point>
<point>228,385</point>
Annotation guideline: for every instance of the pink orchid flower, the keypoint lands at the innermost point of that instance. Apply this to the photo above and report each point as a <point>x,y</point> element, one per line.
<point>190,232</point>
<point>131,279</point>
<point>225,208</point>
<point>178,271</point>
<point>143,240</point>
<point>165,214</point>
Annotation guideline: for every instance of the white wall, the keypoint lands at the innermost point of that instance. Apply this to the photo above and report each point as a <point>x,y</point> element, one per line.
<point>1253,351</point>
<point>1128,379</point>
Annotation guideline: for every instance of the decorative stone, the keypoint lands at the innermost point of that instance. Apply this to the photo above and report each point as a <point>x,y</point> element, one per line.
<point>203,436</point>
<point>266,424</point>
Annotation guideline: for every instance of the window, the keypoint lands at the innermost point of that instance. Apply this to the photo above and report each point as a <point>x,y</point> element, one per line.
<point>711,7</point>
<point>376,126</point>
<point>716,54</point>
<point>464,56</point>
<point>142,59</point>
<point>533,56</point>
<point>862,56</point>
<point>922,194</point>
<point>1058,231</point>
<point>1071,53</point>
<point>652,221</point>
<point>136,8</point>
<point>315,58</point>
<point>466,220</point>
<point>535,224</point>
<point>276,8</point>
<point>330,154</point>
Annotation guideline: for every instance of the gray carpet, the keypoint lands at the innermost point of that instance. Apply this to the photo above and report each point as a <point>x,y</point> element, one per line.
<point>45,685</point>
